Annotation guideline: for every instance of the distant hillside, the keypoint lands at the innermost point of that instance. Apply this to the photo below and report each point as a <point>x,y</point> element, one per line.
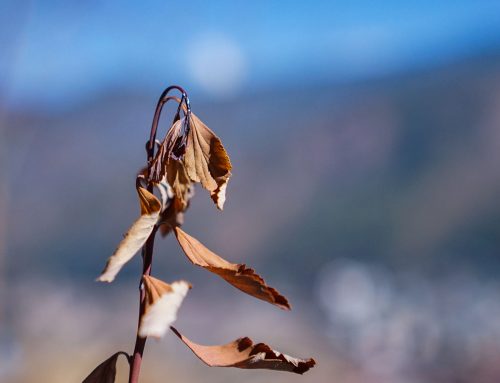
<point>399,170</point>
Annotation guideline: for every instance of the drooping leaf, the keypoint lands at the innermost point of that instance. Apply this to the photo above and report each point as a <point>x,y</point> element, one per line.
<point>189,152</point>
<point>135,237</point>
<point>106,371</point>
<point>237,275</point>
<point>242,353</point>
<point>206,160</point>
<point>162,303</point>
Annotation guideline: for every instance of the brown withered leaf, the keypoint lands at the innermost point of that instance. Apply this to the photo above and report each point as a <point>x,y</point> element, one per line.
<point>192,152</point>
<point>179,181</point>
<point>135,237</point>
<point>206,160</point>
<point>106,371</point>
<point>238,275</point>
<point>242,353</point>
<point>157,168</point>
<point>162,303</point>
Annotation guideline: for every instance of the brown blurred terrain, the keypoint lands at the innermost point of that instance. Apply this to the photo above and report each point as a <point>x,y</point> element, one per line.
<point>373,206</point>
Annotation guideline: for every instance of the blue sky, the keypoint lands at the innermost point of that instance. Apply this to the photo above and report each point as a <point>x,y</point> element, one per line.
<point>72,49</point>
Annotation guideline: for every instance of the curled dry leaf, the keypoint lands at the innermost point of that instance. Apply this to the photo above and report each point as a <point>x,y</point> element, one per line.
<point>162,303</point>
<point>206,160</point>
<point>192,153</point>
<point>135,237</point>
<point>242,353</point>
<point>238,275</point>
<point>106,371</point>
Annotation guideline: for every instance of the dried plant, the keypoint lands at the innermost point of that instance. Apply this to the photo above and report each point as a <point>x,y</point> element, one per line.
<point>190,153</point>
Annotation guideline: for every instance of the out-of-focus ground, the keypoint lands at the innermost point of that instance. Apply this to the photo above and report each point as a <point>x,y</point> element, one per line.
<point>371,201</point>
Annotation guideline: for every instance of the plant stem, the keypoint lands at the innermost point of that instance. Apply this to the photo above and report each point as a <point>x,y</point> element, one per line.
<point>156,118</point>
<point>147,250</point>
<point>140,343</point>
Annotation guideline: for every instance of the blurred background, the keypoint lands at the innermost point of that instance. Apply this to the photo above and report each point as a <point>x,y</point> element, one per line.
<point>365,139</point>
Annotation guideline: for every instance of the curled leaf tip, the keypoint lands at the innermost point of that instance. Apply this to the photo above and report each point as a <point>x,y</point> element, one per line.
<point>219,195</point>
<point>207,161</point>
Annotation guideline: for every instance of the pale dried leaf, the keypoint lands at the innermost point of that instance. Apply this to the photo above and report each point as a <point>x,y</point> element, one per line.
<point>135,237</point>
<point>166,193</point>
<point>162,303</point>
<point>237,275</point>
<point>242,353</point>
<point>106,371</point>
<point>206,160</point>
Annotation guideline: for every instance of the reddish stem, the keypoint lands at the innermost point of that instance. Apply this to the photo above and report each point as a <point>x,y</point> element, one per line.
<point>156,118</point>
<point>135,364</point>
<point>140,343</point>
